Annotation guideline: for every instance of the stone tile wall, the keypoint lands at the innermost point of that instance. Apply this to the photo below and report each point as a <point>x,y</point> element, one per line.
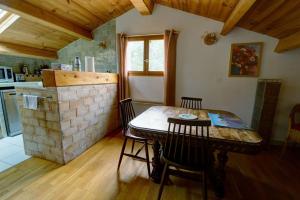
<point>105,58</point>
<point>72,121</point>
<point>41,128</point>
<point>87,113</point>
<point>15,62</point>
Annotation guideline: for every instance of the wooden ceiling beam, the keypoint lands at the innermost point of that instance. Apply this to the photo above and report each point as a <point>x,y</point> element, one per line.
<point>25,51</point>
<point>288,43</point>
<point>239,11</point>
<point>44,17</point>
<point>145,7</point>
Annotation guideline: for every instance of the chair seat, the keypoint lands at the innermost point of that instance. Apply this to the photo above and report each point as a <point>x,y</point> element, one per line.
<point>129,135</point>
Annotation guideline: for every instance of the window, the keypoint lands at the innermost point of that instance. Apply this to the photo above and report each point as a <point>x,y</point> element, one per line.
<point>145,55</point>
<point>6,20</point>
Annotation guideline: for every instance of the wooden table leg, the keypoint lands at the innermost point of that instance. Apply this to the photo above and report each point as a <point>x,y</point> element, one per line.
<point>156,164</point>
<point>217,173</point>
<point>222,158</point>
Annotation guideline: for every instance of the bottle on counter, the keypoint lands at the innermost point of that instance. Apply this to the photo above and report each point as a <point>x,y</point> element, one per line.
<point>24,69</point>
<point>77,64</point>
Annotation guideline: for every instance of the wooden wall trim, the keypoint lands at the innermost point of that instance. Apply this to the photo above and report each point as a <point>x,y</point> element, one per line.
<point>59,78</point>
<point>44,17</point>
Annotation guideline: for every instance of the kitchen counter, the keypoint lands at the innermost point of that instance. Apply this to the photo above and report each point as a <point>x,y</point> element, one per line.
<point>73,114</point>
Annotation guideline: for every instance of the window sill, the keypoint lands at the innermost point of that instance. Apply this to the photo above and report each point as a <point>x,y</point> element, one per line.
<point>136,73</point>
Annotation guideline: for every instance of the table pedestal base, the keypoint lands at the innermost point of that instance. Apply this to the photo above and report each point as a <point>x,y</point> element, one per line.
<point>156,164</point>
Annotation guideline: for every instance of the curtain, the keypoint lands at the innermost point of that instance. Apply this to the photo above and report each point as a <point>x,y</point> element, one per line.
<point>123,79</point>
<point>170,38</point>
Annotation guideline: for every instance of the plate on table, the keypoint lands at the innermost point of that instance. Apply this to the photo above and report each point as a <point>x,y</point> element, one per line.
<point>187,116</point>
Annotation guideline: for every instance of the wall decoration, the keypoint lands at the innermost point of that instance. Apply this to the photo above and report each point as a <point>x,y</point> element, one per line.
<point>210,38</point>
<point>103,44</point>
<point>245,59</point>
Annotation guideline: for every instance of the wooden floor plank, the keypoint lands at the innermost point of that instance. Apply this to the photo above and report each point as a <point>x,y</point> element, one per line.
<point>93,175</point>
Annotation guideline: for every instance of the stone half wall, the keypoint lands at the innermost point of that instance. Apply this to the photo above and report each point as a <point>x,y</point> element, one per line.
<point>70,122</point>
<point>86,114</point>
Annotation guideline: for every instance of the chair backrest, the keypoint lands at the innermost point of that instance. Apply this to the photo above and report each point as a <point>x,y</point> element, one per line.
<point>127,113</point>
<point>294,111</point>
<point>187,143</point>
<point>191,103</point>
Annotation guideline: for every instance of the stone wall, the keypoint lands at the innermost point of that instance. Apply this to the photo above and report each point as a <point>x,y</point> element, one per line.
<point>87,113</point>
<point>105,58</point>
<point>15,62</point>
<point>41,127</point>
<point>70,122</point>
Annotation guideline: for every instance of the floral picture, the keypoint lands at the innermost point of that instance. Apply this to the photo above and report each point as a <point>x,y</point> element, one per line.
<point>245,59</point>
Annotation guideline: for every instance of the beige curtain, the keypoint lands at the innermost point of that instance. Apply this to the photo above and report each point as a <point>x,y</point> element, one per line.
<point>170,38</point>
<point>123,79</point>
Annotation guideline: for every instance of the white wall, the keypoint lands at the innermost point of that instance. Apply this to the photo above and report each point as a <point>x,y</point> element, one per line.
<point>202,71</point>
<point>147,89</point>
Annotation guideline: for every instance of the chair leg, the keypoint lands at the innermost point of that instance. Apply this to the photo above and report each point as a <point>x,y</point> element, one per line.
<point>132,148</point>
<point>162,182</point>
<point>284,148</point>
<point>147,158</point>
<point>204,186</point>
<point>122,153</point>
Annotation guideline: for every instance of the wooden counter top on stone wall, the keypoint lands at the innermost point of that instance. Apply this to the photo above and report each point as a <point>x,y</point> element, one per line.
<point>59,78</point>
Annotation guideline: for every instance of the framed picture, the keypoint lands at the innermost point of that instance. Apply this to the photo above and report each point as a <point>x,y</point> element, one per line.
<point>245,59</point>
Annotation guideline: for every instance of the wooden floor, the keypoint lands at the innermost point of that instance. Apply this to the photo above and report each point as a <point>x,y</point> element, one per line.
<point>93,175</point>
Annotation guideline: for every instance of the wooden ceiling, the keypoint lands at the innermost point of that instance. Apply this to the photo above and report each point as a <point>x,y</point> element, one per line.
<point>52,24</point>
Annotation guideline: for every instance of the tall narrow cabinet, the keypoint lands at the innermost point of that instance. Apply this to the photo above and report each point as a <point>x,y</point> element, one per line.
<point>266,99</point>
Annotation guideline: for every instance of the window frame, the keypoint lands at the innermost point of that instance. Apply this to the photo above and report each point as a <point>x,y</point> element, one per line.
<point>146,39</point>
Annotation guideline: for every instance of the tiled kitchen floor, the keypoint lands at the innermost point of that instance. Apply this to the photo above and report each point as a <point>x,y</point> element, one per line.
<point>11,152</point>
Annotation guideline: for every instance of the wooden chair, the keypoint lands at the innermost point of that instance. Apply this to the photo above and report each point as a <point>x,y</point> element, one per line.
<point>127,114</point>
<point>293,128</point>
<point>186,148</point>
<point>191,103</point>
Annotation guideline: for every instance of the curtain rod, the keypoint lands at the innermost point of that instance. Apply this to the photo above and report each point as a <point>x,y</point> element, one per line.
<point>144,35</point>
<point>155,34</point>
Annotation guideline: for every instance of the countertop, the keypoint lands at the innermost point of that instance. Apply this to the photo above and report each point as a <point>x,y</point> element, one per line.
<point>37,84</point>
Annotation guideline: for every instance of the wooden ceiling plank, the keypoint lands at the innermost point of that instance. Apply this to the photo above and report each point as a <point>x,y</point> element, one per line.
<point>239,11</point>
<point>44,17</point>
<point>145,7</point>
<point>260,11</point>
<point>25,51</point>
<point>37,36</point>
<point>288,43</point>
<point>276,16</point>
<point>71,11</point>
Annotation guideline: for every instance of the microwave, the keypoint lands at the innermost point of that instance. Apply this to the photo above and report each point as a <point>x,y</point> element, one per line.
<point>6,74</point>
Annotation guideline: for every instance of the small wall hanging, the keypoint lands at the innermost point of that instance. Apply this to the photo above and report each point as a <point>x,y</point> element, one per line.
<point>103,44</point>
<point>210,38</point>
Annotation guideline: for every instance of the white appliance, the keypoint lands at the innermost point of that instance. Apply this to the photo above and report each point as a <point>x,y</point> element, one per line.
<point>6,74</point>
<point>10,112</point>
